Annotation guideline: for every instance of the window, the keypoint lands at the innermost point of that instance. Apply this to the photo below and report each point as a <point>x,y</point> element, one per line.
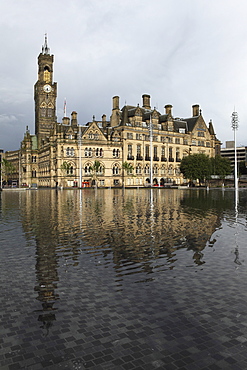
<point>177,140</point>
<point>70,152</point>
<point>177,155</point>
<point>34,173</point>
<point>147,151</point>
<point>155,170</point>
<point>201,143</point>
<point>181,130</point>
<point>99,152</point>
<point>116,153</point>
<point>70,170</point>
<point>42,111</point>
<point>129,135</point>
<point>46,74</point>
<point>170,153</point>
<point>115,169</point>
<point>208,144</point>
<point>185,141</point>
<point>163,151</point>
<point>170,170</point>
<point>138,150</point>
<point>87,169</point>
<point>146,169</point>
<point>162,170</point>
<point>200,134</point>
<point>193,142</point>
<point>138,169</point>
<point>138,136</point>
<point>129,149</point>
<point>34,159</point>
<point>169,139</point>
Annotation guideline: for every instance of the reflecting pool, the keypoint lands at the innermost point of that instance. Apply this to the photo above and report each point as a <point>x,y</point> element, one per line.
<point>123,279</point>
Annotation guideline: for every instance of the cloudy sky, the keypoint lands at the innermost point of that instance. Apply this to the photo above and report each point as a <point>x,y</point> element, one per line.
<point>181,52</point>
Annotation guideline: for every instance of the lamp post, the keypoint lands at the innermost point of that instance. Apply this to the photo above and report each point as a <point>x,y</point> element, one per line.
<point>79,142</point>
<point>151,150</point>
<point>235,127</point>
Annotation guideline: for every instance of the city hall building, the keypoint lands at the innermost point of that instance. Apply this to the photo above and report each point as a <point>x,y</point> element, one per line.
<point>101,153</point>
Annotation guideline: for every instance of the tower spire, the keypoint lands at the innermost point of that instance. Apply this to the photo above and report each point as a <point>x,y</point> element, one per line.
<point>45,49</point>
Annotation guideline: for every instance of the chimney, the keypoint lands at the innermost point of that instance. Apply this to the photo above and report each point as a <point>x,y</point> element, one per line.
<point>74,119</point>
<point>168,108</point>
<point>195,110</point>
<point>115,102</point>
<point>146,101</point>
<point>104,120</point>
<point>66,121</point>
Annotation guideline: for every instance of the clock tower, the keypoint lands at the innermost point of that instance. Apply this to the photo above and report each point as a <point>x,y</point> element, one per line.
<point>45,94</point>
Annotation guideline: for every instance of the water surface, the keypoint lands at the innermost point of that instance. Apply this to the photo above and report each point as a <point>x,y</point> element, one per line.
<point>123,279</point>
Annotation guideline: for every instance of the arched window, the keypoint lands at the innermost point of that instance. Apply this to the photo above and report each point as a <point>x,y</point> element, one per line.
<point>87,169</point>
<point>155,170</point>
<point>86,152</point>
<point>101,152</point>
<point>146,169</point>
<point>162,170</point>
<point>115,169</point>
<point>170,170</point>
<point>46,74</point>
<point>70,170</point>
<point>138,169</point>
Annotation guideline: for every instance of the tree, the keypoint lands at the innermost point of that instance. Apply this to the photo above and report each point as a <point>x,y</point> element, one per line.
<point>7,169</point>
<point>221,166</point>
<point>196,167</point>
<point>126,166</point>
<point>242,168</point>
<point>95,170</point>
<point>65,167</point>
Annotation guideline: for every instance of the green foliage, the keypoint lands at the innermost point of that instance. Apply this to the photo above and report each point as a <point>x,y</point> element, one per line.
<point>95,170</point>
<point>196,166</point>
<point>242,168</point>
<point>65,167</point>
<point>7,169</point>
<point>200,166</point>
<point>128,167</point>
<point>220,166</point>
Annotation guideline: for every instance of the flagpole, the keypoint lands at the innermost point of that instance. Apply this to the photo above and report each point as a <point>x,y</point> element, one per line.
<point>64,108</point>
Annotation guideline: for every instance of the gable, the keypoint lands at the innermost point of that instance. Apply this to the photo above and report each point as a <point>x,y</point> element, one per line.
<point>93,132</point>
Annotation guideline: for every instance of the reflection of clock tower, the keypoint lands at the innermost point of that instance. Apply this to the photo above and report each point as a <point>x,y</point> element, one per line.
<point>45,94</point>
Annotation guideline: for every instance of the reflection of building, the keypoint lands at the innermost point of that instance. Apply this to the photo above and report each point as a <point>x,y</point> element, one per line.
<point>121,229</point>
<point>229,152</point>
<point>64,153</point>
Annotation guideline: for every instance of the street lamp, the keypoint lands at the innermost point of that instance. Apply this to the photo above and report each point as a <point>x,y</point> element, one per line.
<point>151,149</point>
<point>79,143</point>
<point>235,127</point>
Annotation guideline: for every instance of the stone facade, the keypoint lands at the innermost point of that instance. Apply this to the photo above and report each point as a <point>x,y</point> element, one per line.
<point>64,154</point>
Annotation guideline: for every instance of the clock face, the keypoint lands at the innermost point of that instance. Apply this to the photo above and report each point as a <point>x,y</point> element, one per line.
<point>47,88</point>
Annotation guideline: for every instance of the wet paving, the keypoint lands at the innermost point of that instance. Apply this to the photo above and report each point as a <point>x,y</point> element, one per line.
<point>113,279</point>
